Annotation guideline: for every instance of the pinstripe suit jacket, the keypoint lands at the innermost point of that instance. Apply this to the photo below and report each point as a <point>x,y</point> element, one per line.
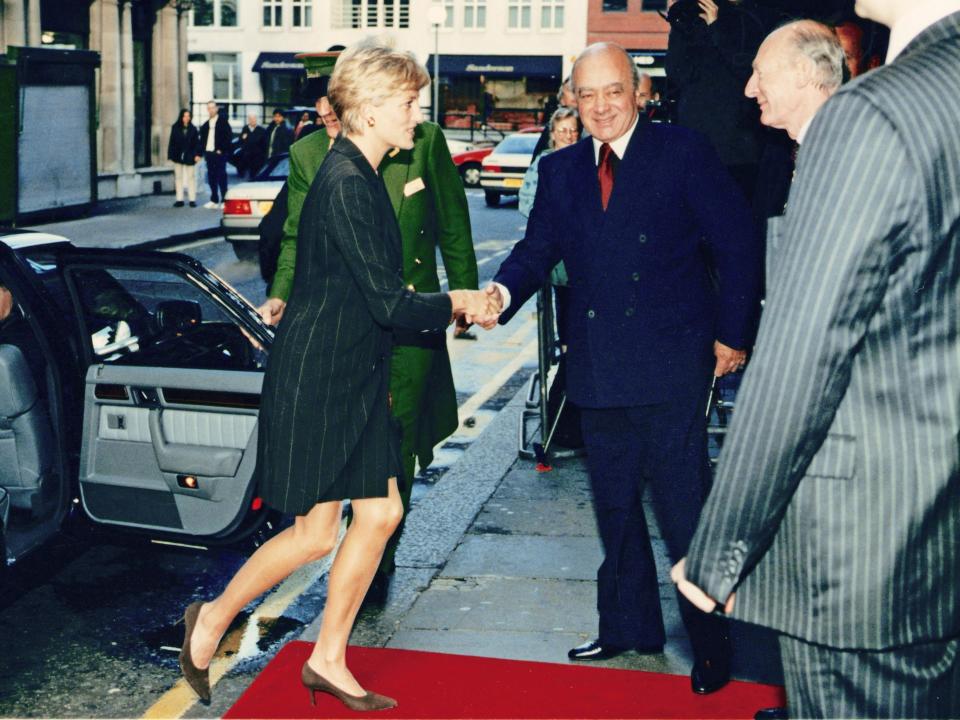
<point>836,508</point>
<point>325,426</point>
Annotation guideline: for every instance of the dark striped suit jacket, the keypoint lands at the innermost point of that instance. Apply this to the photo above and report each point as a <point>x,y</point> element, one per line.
<point>326,431</point>
<point>836,510</point>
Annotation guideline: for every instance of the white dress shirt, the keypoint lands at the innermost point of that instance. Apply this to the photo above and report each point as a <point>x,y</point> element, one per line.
<point>915,21</point>
<point>212,135</point>
<point>619,147</point>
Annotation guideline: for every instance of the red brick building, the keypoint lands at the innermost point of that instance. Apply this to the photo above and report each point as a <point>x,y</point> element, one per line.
<point>635,24</point>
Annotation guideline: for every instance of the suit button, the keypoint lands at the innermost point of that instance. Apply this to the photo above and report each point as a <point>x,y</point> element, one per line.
<point>629,312</point>
<point>643,238</point>
<point>591,314</point>
<point>636,277</point>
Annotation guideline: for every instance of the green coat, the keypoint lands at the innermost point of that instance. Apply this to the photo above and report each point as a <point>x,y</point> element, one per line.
<point>430,217</point>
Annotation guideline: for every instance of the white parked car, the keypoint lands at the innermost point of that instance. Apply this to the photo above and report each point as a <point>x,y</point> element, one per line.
<point>503,169</point>
<point>245,205</point>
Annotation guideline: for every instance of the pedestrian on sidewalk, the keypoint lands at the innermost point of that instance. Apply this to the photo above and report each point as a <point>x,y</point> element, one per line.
<point>216,143</point>
<point>646,330</point>
<point>326,430</point>
<point>183,149</point>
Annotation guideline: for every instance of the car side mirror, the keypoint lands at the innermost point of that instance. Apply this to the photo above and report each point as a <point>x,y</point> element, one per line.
<point>178,315</point>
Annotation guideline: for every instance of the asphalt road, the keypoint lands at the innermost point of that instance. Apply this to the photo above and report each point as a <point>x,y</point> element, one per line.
<point>87,622</point>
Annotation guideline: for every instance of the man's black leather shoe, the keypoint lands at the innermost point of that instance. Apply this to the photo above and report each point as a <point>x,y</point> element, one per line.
<point>596,650</point>
<point>709,676</point>
<point>771,713</point>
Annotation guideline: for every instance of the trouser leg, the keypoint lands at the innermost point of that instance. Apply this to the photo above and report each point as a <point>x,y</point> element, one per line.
<point>676,464</point>
<point>628,596</point>
<point>178,175</point>
<point>190,175</point>
<point>913,681</point>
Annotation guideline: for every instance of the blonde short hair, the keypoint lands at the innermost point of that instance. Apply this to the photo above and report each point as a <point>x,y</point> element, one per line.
<point>367,74</point>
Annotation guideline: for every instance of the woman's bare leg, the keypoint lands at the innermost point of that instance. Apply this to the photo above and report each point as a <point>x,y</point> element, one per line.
<point>311,537</point>
<point>374,520</point>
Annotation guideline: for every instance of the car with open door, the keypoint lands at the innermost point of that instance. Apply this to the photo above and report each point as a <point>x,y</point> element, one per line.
<point>129,392</point>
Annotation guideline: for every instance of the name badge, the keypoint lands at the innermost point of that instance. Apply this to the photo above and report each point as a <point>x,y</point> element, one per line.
<point>414,186</point>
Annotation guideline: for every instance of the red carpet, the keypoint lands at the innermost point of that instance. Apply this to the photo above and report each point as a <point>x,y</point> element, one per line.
<point>433,685</point>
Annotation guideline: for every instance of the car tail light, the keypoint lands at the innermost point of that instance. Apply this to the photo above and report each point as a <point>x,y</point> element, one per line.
<point>492,168</point>
<point>237,207</point>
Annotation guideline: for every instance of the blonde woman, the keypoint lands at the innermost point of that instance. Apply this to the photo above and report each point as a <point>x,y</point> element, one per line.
<point>325,432</point>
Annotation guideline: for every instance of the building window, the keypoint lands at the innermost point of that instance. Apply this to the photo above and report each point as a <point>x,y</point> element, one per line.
<point>214,13</point>
<point>202,13</point>
<point>369,13</point>
<point>475,14</point>
<point>226,76</point>
<point>654,5</point>
<point>551,14</point>
<point>449,20</point>
<point>614,5</point>
<point>302,13</point>
<point>273,13</point>
<point>518,14</point>
<point>228,13</point>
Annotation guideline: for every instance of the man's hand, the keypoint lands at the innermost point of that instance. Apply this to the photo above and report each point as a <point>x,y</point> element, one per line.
<point>694,594</point>
<point>710,11</point>
<point>475,306</point>
<point>495,301</point>
<point>461,327</point>
<point>728,359</point>
<point>272,310</point>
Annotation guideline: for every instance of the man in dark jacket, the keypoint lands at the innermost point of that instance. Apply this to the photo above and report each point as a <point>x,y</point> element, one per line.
<point>216,147</point>
<point>279,136</point>
<point>253,147</point>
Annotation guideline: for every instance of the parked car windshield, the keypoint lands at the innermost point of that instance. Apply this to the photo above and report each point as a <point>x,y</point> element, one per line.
<point>518,145</point>
<point>277,168</point>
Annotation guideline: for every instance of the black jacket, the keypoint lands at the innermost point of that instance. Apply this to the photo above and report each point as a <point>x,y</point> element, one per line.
<point>253,147</point>
<point>279,139</point>
<point>223,136</point>
<point>184,143</point>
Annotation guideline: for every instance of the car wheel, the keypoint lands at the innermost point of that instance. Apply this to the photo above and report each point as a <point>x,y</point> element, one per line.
<point>492,197</point>
<point>470,172</point>
<point>245,249</point>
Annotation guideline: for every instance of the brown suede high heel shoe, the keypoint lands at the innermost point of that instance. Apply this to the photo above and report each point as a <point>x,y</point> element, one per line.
<point>315,683</point>
<point>196,678</point>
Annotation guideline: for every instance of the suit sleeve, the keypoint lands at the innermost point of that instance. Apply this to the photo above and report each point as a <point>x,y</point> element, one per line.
<point>731,238</point>
<point>528,265</point>
<point>853,197</point>
<point>453,216</point>
<point>297,186</point>
<point>360,241</point>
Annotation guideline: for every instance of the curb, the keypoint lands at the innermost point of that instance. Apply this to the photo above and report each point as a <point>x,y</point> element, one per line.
<point>179,239</point>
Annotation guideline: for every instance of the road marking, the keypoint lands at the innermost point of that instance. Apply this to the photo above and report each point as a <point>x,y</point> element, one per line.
<point>493,256</point>
<point>194,244</point>
<point>176,701</point>
<point>491,387</point>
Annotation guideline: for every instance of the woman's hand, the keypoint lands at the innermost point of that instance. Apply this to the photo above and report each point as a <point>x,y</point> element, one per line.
<point>475,306</point>
<point>272,310</point>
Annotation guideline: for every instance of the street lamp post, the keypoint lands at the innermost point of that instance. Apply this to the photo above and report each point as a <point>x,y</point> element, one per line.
<point>436,15</point>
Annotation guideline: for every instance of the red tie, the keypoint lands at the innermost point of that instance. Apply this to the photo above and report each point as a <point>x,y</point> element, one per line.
<point>605,173</point>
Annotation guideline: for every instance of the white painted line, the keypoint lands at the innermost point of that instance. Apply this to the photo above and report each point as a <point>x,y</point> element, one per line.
<point>194,244</point>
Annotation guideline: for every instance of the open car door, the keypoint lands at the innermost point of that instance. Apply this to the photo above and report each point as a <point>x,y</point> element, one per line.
<point>175,369</point>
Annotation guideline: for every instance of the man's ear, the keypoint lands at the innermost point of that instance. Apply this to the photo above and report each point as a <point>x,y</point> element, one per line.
<point>804,70</point>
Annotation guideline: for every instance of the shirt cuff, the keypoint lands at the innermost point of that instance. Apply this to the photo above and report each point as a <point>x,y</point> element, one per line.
<point>505,294</point>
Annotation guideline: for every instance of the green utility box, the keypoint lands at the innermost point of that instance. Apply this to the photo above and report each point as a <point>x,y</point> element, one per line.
<point>48,162</point>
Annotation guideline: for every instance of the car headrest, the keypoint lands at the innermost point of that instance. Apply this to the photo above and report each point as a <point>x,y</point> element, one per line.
<point>18,392</point>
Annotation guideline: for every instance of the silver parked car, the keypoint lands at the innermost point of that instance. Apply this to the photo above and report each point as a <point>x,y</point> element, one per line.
<point>246,204</point>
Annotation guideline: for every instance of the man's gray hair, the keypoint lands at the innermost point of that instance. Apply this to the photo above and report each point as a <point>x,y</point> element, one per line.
<point>562,113</point>
<point>820,44</point>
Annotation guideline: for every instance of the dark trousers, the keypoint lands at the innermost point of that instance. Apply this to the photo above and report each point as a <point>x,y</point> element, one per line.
<point>665,445</point>
<point>914,681</point>
<point>216,175</point>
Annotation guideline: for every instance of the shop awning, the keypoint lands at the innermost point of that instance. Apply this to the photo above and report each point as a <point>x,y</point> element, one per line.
<point>278,62</point>
<point>499,65</point>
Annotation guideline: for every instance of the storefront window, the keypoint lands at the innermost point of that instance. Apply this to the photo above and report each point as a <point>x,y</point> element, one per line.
<point>518,14</point>
<point>226,76</point>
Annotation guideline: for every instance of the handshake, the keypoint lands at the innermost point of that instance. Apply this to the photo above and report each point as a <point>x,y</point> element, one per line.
<point>482,307</point>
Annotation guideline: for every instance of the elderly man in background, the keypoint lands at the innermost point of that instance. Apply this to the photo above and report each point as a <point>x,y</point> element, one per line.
<point>797,68</point>
<point>835,512</point>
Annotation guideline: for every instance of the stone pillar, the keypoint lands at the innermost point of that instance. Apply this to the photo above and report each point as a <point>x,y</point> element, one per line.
<point>105,39</point>
<point>14,24</point>
<point>33,23</point>
<point>183,81</point>
<point>166,80</point>
<point>127,85</point>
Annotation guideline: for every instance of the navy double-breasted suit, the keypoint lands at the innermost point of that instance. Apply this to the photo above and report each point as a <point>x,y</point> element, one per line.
<point>670,266</point>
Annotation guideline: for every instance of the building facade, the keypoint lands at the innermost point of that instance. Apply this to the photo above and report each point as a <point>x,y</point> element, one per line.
<point>636,25</point>
<point>140,85</point>
<point>502,58</point>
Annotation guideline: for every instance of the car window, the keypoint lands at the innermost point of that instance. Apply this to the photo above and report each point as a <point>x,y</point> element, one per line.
<point>159,318</point>
<point>276,169</point>
<point>518,145</point>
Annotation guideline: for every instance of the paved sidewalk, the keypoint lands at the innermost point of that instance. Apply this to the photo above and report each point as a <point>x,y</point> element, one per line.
<point>500,561</point>
<point>149,221</point>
